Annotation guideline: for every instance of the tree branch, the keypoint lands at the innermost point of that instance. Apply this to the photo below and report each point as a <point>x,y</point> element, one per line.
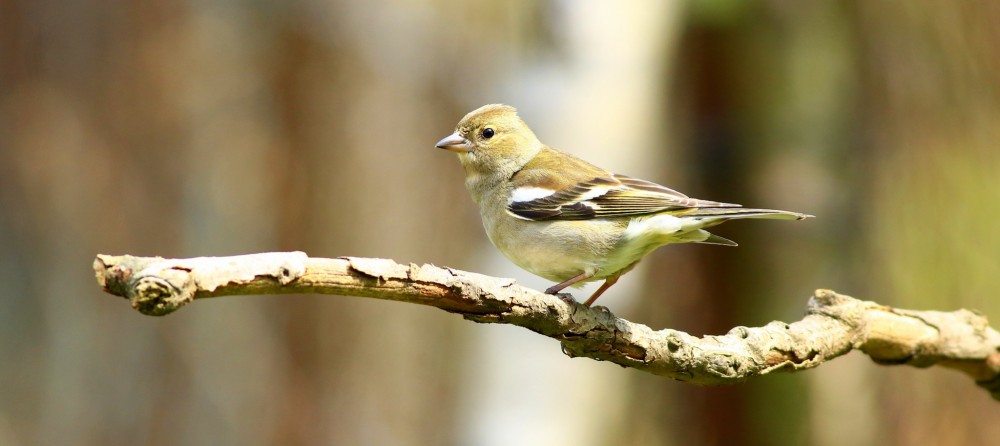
<point>834,324</point>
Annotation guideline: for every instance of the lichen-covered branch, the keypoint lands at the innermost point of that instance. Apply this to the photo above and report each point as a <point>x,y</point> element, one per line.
<point>834,324</point>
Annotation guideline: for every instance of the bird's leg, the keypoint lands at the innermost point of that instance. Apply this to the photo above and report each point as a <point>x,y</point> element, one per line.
<point>604,287</point>
<point>554,289</point>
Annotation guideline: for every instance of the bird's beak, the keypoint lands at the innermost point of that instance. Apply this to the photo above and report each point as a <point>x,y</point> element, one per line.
<point>455,143</point>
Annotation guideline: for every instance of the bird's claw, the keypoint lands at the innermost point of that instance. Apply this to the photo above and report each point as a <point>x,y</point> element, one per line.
<point>601,308</point>
<point>568,298</point>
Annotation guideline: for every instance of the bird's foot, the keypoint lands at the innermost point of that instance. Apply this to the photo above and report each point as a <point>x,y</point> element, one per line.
<point>568,298</point>
<point>601,308</point>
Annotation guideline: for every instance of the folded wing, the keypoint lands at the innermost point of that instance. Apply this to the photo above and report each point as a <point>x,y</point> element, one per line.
<point>608,196</point>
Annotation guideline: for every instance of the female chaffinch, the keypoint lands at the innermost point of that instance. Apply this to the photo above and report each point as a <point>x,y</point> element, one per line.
<point>566,220</point>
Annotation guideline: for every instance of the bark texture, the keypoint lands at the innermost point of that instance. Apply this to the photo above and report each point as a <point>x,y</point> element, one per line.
<point>833,325</point>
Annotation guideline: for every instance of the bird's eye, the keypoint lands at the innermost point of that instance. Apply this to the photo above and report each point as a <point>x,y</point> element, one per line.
<point>488,133</point>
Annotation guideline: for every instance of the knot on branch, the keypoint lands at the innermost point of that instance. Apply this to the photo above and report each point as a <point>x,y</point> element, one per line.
<point>152,290</point>
<point>162,292</point>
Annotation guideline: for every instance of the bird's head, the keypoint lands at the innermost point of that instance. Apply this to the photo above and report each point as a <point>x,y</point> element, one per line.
<point>492,139</point>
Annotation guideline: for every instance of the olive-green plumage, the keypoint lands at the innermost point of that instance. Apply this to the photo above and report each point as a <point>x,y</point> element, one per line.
<point>566,220</point>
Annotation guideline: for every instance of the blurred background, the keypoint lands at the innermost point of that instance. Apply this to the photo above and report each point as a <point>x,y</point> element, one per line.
<point>190,128</point>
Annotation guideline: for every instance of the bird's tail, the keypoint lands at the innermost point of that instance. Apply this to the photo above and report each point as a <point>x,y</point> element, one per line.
<point>711,216</point>
<point>693,222</point>
<point>731,213</point>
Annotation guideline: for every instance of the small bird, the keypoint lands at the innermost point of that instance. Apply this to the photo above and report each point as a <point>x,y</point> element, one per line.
<point>566,220</point>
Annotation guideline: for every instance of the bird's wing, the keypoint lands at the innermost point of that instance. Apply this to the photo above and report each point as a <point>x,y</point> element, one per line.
<point>561,187</point>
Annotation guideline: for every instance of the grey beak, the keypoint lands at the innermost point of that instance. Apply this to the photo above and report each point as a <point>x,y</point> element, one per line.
<point>454,143</point>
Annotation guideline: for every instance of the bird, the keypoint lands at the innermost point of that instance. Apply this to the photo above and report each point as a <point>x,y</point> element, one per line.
<point>566,220</point>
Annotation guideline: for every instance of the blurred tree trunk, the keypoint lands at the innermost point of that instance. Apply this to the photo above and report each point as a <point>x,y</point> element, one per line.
<point>932,130</point>
<point>763,96</point>
<point>210,129</point>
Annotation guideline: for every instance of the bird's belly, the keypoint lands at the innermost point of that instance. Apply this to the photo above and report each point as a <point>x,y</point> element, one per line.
<point>560,250</point>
